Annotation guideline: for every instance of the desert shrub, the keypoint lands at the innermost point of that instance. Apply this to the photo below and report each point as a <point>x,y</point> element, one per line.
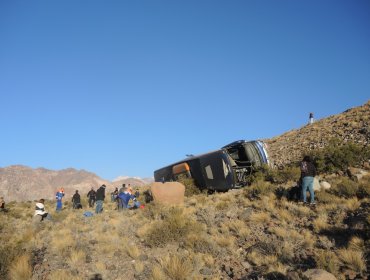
<point>21,268</point>
<point>174,226</point>
<point>258,189</point>
<point>352,259</point>
<point>337,156</point>
<point>326,197</point>
<point>364,187</point>
<point>190,187</point>
<point>283,175</point>
<point>199,243</point>
<point>345,188</point>
<point>177,267</point>
<point>8,253</point>
<point>277,176</point>
<point>327,260</point>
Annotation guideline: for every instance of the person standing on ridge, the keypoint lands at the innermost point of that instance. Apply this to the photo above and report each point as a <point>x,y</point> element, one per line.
<point>100,196</point>
<point>310,119</point>
<point>59,196</point>
<point>92,197</point>
<point>308,173</point>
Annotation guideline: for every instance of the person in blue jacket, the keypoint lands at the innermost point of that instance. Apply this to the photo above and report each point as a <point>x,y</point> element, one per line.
<point>124,198</point>
<point>59,196</point>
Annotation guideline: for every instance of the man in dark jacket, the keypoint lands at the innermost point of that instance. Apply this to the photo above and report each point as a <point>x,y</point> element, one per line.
<point>100,196</point>
<point>76,200</point>
<point>308,172</point>
<point>92,197</point>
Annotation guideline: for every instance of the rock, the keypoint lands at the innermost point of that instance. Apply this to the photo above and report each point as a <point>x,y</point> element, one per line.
<point>319,274</point>
<point>246,265</point>
<point>168,193</point>
<point>205,271</point>
<point>325,185</point>
<point>293,275</point>
<point>143,257</point>
<point>316,185</point>
<point>356,173</point>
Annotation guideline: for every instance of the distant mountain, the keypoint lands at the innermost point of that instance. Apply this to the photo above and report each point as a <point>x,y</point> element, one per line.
<point>20,183</point>
<point>352,125</point>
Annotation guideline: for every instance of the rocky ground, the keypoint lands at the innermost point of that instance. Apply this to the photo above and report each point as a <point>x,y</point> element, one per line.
<point>241,234</point>
<point>352,125</point>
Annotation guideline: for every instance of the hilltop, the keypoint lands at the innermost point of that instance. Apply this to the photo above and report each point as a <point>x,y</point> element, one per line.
<point>353,125</point>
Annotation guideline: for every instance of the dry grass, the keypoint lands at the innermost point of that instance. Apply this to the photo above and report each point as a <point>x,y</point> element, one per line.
<point>132,250</point>
<point>262,259</point>
<point>76,258</point>
<point>177,267</point>
<point>327,260</point>
<point>352,259</point>
<point>174,227</point>
<point>139,267</point>
<point>21,268</point>
<point>260,217</point>
<point>356,244</point>
<point>62,275</point>
<point>321,222</point>
<point>158,273</point>
<point>224,241</point>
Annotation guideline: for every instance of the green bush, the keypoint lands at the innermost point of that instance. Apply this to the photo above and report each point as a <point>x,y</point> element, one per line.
<point>284,175</point>
<point>174,227</point>
<point>190,187</point>
<point>345,188</point>
<point>364,188</point>
<point>338,157</point>
<point>259,189</point>
<point>275,176</point>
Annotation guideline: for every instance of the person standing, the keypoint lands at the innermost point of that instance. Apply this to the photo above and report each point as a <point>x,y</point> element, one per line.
<point>92,197</point>
<point>100,196</point>
<point>59,197</point>
<point>310,121</point>
<point>2,205</point>
<point>76,200</point>
<point>308,173</point>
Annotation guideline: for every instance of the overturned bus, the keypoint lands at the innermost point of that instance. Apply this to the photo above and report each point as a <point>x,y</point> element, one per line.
<point>220,170</point>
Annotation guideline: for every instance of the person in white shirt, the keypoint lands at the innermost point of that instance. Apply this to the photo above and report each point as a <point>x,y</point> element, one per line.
<point>40,210</point>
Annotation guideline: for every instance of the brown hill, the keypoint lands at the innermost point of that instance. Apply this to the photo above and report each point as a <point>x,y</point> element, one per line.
<point>21,183</point>
<point>352,125</point>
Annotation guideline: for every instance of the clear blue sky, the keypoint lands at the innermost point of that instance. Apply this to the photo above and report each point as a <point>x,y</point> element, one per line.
<point>126,87</point>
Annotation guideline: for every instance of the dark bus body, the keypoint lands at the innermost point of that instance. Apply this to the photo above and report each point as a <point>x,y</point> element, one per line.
<point>219,170</point>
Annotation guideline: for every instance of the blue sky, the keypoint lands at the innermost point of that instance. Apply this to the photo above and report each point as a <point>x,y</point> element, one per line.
<point>126,87</point>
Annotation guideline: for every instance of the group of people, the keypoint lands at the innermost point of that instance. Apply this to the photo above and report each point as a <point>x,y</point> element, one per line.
<point>121,197</point>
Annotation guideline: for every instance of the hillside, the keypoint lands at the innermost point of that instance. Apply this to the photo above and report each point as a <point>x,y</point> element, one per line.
<point>258,232</point>
<point>20,183</point>
<point>352,125</point>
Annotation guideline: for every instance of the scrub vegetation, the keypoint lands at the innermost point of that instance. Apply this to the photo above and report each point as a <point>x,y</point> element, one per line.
<point>256,232</point>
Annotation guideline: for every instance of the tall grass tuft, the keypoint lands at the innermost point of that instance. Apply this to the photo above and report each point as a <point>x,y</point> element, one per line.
<point>177,267</point>
<point>21,269</point>
<point>354,260</point>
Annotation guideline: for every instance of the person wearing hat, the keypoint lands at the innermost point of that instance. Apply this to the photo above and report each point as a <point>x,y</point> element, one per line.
<point>59,196</point>
<point>40,210</point>
<point>100,196</point>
